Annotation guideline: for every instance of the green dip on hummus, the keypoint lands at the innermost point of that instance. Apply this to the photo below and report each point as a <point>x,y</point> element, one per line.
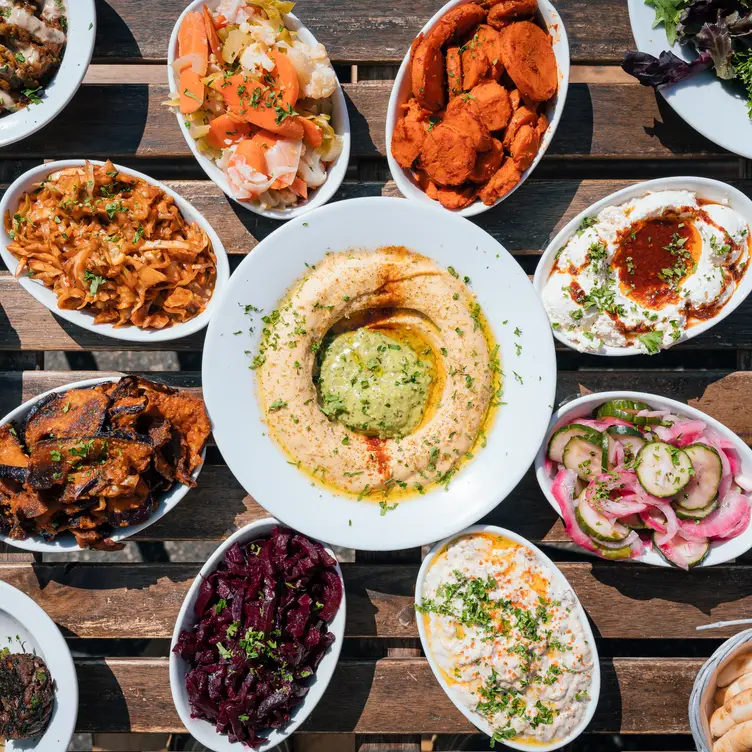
<point>374,384</point>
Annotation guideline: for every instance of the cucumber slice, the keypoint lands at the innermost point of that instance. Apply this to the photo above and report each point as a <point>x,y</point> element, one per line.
<point>560,438</point>
<point>625,552</point>
<point>683,553</point>
<point>583,457</point>
<point>695,514</point>
<point>598,526</point>
<point>606,449</point>
<point>634,521</point>
<point>630,438</point>
<point>619,431</point>
<point>703,486</point>
<point>626,410</point>
<point>662,469</point>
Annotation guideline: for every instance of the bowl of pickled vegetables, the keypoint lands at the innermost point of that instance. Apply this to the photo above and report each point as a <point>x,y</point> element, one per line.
<point>640,477</point>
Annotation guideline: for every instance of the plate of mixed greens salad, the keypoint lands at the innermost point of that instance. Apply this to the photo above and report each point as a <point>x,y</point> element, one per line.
<point>698,54</point>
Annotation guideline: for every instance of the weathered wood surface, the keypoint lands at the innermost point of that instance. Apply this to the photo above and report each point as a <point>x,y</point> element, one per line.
<point>356,32</point>
<point>388,696</point>
<point>600,120</point>
<point>142,600</point>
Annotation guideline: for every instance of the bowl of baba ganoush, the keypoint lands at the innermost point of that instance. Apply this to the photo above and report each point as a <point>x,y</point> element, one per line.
<point>507,638</point>
<point>648,267</point>
<point>380,374</point>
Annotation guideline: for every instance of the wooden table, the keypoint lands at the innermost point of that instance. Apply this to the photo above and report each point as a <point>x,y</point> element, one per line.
<point>383,695</point>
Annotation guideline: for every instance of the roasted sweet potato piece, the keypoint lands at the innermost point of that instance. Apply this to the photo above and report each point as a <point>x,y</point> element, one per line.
<point>503,180</point>
<point>522,116</point>
<point>503,12</point>
<point>187,414</point>
<point>525,147</point>
<point>454,71</point>
<point>409,133</point>
<point>448,156</point>
<point>457,23</point>
<point>427,185</point>
<point>429,86</point>
<point>457,198</point>
<point>52,460</point>
<point>493,103</point>
<point>529,59</point>
<point>13,459</point>
<point>515,99</point>
<point>481,56</point>
<point>77,412</point>
<point>463,113</point>
<point>488,162</point>
<point>542,125</point>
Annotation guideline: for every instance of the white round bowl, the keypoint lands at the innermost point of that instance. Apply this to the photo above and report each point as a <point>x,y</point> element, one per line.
<point>21,617</point>
<point>720,551</point>
<point>82,30</point>
<point>716,109</point>
<point>508,301</point>
<point>340,122</point>
<point>701,702</point>
<point>84,318</point>
<point>67,542</point>
<point>205,732</point>
<point>554,109</point>
<point>704,188</point>
<point>475,718</point>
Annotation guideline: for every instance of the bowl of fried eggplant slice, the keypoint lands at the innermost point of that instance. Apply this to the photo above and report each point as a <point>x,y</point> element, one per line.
<point>91,463</point>
<point>476,102</point>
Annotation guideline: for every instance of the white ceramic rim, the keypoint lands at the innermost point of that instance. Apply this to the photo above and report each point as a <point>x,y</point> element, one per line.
<point>263,468</point>
<point>720,552</point>
<point>81,34</point>
<point>704,187</point>
<point>548,13</point>
<point>698,721</point>
<point>474,718</point>
<point>703,101</point>
<point>340,122</point>
<point>204,731</point>
<point>85,319</point>
<point>67,542</point>
<point>56,654</point>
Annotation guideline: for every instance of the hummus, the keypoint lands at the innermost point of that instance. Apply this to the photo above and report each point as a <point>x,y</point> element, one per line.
<point>641,274</point>
<point>507,638</point>
<point>376,372</point>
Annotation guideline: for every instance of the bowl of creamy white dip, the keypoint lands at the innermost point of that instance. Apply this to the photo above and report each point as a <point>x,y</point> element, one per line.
<point>507,638</point>
<point>648,267</point>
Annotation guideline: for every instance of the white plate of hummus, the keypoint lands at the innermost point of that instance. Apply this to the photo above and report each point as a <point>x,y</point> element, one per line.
<point>507,638</point>
<point>648,267</point>
<point>380,375</point>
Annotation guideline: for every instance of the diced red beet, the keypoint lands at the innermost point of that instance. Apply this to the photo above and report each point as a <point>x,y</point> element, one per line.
<point>262,632</point>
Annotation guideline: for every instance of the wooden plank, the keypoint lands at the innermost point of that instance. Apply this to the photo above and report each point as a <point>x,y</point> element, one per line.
<point>26,324</point>
<point>388,696</point>
<point>601,120</point>
<point>126,601</point>
<point>140,29</point>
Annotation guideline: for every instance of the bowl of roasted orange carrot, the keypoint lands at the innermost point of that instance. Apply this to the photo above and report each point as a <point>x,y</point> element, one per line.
<point>476,102</point>
<point>259,104</point>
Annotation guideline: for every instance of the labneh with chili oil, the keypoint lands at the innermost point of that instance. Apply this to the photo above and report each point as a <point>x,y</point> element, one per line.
<point>507,638</point>
<point>643,273</point>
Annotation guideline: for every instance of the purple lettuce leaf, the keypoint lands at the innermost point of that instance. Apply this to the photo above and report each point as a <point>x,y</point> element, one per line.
<point>664,70</point>
<point>714,38</point>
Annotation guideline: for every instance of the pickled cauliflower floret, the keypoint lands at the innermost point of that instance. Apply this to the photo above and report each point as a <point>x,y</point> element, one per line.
<point>315,73</point>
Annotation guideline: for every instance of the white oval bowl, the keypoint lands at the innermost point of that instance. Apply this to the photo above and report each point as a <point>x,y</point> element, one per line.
<point>720,551</point>
<point>340,122</point>
<point>20,615</point>
<point>82,30</point>
<point>67,542</point>
<point>701,700</point>
<point>477,720</point>
<point>508,301</point>
<point>714,108</point>
<point>400,91</point>
<point>704,188</point>
<point>204,731</point>
<point>84,318</point>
